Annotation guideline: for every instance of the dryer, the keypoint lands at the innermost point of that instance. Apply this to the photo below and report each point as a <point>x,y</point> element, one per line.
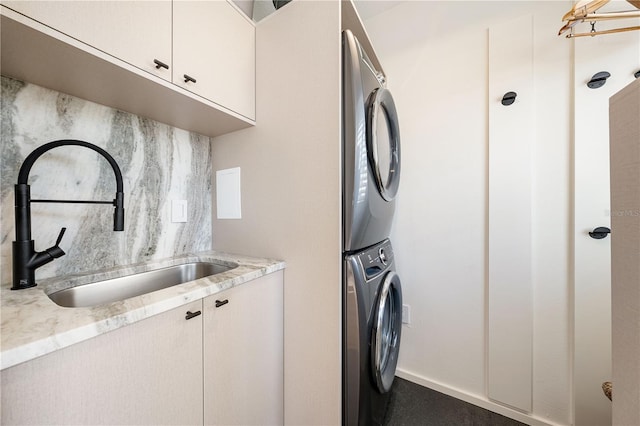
<point>371,150</point>
<point>371,333</point>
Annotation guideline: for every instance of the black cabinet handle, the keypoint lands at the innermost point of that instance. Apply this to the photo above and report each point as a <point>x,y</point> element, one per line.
<point>221,302</point>
<point>160,64</point>
<point>192,314</point>
<point>188,78</point>
<point>600,233</point>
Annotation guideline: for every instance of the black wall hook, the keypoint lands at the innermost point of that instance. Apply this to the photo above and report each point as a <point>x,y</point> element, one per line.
<point>509,98</point>
<point>600,232</point>
<point>637,74</point>
<point>598,80</point>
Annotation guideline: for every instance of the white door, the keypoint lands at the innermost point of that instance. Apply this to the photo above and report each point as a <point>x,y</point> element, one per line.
<point>616,54</point>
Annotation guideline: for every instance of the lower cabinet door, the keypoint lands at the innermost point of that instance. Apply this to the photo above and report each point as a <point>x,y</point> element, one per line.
<point>243,354</point>
<point>148,373</point>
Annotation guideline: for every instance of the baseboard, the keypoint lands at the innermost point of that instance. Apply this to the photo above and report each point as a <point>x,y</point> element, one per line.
<point>477,400</point>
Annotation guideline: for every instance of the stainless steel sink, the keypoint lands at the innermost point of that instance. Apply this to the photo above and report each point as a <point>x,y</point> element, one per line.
<point>116,289</point>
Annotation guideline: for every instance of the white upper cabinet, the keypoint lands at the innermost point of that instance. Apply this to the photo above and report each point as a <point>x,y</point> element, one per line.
<point>214,44</point>
<point>112,53</point>
<point>137,32</point>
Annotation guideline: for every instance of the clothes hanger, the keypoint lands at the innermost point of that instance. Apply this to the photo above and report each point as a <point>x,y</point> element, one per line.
<point>584,10</point>
<point>593,32</point>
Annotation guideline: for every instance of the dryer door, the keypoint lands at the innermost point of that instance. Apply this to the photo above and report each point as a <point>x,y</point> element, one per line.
<point>383,142</point>
<point>385,338</point>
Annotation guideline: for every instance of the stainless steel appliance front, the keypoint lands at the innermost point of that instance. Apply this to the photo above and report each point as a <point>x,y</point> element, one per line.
<point>371,150</point>
<point>371,332</point>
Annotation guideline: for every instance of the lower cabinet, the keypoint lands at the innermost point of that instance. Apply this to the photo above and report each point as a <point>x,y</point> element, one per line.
<point>160,371</point>
<point>149,372</point>
<point>243,361</point>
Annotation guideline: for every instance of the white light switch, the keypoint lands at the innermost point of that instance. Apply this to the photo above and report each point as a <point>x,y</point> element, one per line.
<point>178,211</point>
<point>228,197</point>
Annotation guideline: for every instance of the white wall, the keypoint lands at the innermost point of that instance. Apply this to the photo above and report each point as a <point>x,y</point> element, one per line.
<point>436,58</point>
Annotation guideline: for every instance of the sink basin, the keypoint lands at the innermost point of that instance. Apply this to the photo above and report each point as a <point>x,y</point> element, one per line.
<point>121,288</point>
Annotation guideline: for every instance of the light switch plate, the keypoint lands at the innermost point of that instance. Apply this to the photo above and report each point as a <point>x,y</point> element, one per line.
<point>178,211</point>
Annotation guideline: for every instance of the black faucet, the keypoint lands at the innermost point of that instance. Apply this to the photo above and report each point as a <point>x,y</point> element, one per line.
<point>25,258</point>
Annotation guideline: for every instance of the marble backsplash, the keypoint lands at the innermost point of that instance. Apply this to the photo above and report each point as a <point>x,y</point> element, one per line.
<point>159,164</point>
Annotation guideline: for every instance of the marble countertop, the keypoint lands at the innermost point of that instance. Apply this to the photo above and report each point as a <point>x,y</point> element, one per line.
<point>33,325</point>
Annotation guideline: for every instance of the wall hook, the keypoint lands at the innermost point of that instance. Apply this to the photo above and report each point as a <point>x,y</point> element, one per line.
<point>637,74</point>
<point>509,98</point>
<point>598,80</point>
<point>600,232</point>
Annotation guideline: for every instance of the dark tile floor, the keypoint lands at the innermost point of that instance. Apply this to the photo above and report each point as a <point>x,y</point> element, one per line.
<point>414,405</point>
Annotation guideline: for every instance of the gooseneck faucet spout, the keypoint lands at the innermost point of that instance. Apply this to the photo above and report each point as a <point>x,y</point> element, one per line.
<point>25,258</point>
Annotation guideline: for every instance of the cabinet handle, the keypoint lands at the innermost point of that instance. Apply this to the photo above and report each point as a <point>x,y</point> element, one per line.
<point>188,78</point>
<point>160,64</point>
<point>221,302</point>
<point>192,314</point>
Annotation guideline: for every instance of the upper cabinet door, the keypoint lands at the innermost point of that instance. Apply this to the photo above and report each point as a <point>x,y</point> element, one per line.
<point>137,32</point>
<point>214,44</point>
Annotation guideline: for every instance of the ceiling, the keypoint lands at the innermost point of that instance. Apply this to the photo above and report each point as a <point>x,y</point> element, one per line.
<point>369,8</point>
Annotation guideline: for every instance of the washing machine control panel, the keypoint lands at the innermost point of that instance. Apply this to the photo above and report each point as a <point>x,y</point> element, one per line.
<point>377,259</point>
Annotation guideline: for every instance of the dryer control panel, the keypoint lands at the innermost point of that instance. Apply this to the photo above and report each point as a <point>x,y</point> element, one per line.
<point>377,259</point>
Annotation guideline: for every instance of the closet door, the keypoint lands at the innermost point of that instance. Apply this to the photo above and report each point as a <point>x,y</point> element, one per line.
<point>625,252</point>
<point>618,55</point>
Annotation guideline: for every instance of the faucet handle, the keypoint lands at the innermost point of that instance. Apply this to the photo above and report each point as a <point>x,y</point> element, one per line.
<point>52,252</point>
<point>60,235</point>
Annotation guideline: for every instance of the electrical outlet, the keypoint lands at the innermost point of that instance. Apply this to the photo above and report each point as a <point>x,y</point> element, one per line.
<point>406,314</point>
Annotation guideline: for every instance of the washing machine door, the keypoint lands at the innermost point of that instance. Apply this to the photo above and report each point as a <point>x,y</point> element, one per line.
<point>387,325</point>
<point>383,142</point>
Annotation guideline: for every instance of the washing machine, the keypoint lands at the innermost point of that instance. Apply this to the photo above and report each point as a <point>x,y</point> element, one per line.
<point>371,333</point>
<point>371,150</point>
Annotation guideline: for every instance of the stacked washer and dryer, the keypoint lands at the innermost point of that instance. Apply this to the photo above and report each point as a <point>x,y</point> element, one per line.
<point>372,293</point>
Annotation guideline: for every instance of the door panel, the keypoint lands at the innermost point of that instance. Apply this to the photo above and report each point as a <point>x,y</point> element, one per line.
<point>510,292</point>
<point>135,31</point>
<point>617,55</point>
<point>215,45</point>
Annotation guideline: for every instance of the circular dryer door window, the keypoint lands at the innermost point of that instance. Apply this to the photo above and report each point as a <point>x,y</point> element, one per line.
<point>387,325</point>
<point>383,142</point>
